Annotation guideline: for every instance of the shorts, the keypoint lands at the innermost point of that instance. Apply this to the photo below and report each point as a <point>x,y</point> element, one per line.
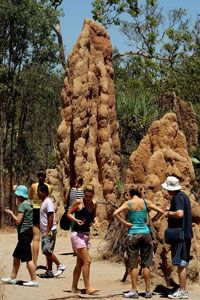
<point>139,246</point>
<point>181,253</point>
<point>80,240</point>
<point>36,216</point>
<point>48,242</point>
<point>23,248</point>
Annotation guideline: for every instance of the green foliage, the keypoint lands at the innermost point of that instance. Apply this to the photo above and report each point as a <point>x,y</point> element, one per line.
<point>53,159</point>
<point>135,113</point>
<point>165,47</point>
<point>41,112</point>
<point>164,56</point>
<point>30,85</point>
<point>165,53</point>
<point>120,187</point>
<point>196,163</point>
<point>109,12</point>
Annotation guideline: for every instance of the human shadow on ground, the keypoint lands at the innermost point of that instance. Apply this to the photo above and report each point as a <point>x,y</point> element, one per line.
<point>85,296</point>
<point>41,267</point>
<point>81,291</point>
<point>20,282</point>
<point>164,291</point>
<point>67,253</point>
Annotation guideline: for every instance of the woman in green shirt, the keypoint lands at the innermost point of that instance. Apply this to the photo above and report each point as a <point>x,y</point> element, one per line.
<point>22,252</point>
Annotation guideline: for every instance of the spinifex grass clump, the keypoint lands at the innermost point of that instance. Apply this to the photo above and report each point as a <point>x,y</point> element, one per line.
<point>2,290</point>
<point>115,247</point>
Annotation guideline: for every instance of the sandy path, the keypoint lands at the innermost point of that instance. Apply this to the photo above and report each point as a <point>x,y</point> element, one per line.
<point>105,275</point>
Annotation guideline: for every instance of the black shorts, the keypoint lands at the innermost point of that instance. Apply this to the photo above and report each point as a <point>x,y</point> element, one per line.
<point>36,216</point>
<point>23,248</point>
<point>140,247</point>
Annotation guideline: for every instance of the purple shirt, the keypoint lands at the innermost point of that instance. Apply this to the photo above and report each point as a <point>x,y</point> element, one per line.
<point>47,207</point>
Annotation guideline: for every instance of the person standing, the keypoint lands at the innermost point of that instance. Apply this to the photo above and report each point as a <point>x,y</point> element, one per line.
<point>22,252</point>
<point>179,216</point>
<point>33,194</point>
<point>76,191</point>
<point>83,214</point>
<point>139,244</point>
<point>48,231</point>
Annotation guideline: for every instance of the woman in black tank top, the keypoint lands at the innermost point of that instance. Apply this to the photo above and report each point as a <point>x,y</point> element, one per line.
<point>83,214</point>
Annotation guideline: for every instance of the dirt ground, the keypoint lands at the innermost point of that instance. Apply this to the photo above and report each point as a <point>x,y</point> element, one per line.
<point>105,275</point>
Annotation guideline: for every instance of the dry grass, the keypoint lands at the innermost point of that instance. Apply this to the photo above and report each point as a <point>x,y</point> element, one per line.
<point>115,238</point>
<point>2,289</point>
<point>116,234</point>
<point>2,297</point>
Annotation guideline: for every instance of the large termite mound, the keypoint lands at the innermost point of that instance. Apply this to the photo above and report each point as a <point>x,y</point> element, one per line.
<point>88,139</point>
<point>161,153</point>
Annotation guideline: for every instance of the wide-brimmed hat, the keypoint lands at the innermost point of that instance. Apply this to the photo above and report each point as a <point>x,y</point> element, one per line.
<point>171,184</point>
<point>22,191</point>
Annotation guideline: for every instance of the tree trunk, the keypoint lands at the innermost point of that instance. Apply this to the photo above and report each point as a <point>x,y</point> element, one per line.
<point>57,30</point>
<point>2,188</point>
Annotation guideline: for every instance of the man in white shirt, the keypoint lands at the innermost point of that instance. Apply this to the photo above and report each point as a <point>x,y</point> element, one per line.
<point>48,230</point>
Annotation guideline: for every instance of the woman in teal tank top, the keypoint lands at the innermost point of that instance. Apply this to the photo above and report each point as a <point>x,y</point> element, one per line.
<point>139,239</point>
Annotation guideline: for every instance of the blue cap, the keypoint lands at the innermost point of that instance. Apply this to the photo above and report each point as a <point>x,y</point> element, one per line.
<point>22,191</point>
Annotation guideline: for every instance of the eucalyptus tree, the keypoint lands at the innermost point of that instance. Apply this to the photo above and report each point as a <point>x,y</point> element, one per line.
<point>157,41</point>
<point>162,48</point>
<point>27,42</point>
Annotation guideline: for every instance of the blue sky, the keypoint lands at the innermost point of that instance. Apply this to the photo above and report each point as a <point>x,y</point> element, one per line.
<point>77,10</point>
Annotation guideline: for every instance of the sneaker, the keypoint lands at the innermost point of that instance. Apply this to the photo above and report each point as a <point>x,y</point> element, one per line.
<point>60,269</point>
<point>131,294</point>
<point>179,295</point>
<point>148,294</point>
<point>9,280</point>
<point>47,274</point>
<point>31,283</point>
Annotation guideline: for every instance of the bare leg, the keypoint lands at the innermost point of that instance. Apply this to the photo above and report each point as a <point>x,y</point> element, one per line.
<point>85,257</point>
<point>15,269</point>
<point>76,274</point>
<point>35,244</point>
<point>50,259</point>
<point>182,278</point>
<point>86,266</point>
<point>147,278</point>
<point>134,276</point>
<point>31,269</point>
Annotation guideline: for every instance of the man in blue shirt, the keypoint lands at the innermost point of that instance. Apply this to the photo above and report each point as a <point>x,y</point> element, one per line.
<point>179,216</point>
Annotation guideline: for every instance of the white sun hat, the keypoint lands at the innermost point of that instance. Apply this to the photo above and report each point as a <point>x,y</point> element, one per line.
<point>171,184</point>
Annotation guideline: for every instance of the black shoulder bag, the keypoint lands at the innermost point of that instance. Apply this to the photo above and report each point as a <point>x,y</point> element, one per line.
<point>175,235</point>
<point>65,222</point>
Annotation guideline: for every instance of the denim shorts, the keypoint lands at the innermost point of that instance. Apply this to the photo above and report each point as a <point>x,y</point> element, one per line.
<point>80,240</point>
<point>140,248</point>
<point>181,253</point>
<point>48,242</point>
